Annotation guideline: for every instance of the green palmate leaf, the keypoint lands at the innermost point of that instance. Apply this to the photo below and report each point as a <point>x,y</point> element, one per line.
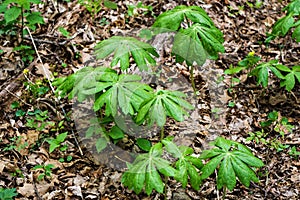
<point>83,80</point>
<point>145,171</point>
<point>8,194</point>
<point>123,92</point>
<point>172,19</point>
<point>261,72</point>
<point>197,43</point>
<point>283,25</point>
<point>12,14</point>
<point>187,166</point>
<point>234,160</point>
<point>293,7</point>
<point>226,176</point>
<point>164,103</point>
<point>122,47</point>
<point>289,80</point>
<point>296,34</point>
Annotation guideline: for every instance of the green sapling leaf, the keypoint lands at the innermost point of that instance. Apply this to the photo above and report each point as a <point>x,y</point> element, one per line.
<point>232,160</point>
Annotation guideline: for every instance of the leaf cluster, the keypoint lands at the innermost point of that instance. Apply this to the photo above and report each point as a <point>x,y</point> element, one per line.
<point>123,93</point>
<point>201,40</point>
<point>7,194</point>
<point>15,9</point>
<point>145,172</point>
<point>286,75</point>
<point>232,160</point>
<point>288,22</point>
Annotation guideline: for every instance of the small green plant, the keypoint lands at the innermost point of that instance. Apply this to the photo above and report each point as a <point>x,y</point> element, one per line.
<point>64,32</point>
<point>288,22</point>
<point>37,89</point>
<point>134,9</point>
<point>37,119</point>
<point>275,123</point>
<point>95,6</point>
<point>8,194</point>
<point>56,142</point>
<point>197,38</point>
<point>18,12</point>
<point>294,153</point>
<point>232,160</point>
<point>46,171</point>
<point>26,51</point>
<point>280,124</point>
<point>247,63</point>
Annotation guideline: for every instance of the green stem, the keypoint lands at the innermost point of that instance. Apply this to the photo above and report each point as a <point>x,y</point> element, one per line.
<point>192,78</point>
<point>224,193</point>
<point>162,134</point>
<point>22,24</point>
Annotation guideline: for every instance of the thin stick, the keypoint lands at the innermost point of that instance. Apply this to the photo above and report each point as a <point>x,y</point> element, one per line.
<point>17,97</point>
<point>192,79</point>
<point>52,88</point>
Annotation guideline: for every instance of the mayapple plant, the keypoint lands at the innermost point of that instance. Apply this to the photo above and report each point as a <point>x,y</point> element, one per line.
<point>115,91</point>
<point>288,22</point>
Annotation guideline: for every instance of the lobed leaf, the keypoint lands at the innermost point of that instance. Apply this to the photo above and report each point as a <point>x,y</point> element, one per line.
<point>145,171</point>
<point>122,48</point>
<point>172,19</point>
<point>197,43</point>
<point>164,103</point>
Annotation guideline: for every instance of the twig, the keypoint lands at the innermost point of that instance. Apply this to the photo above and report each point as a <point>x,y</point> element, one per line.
<point>52,88</point>
<point>17,97</point>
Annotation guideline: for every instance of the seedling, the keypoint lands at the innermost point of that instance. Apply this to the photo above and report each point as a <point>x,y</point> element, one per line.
<point>134,9</point>
<point>294,153</point>
<point>37,119</point>
<point>16,11</point>
<point>288,22</point>
<point>56,142</point>
<point>94,6</point>
<point>46,171</point>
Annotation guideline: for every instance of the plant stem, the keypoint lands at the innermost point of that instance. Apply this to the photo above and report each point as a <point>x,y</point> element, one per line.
<point>22,24</point>
<point>192,78</point>
<point>224,193</point>
<point>162,134</point>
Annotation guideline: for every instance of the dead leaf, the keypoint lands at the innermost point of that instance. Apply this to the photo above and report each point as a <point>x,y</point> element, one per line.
<point>44,70</point>
<point>27,190</point>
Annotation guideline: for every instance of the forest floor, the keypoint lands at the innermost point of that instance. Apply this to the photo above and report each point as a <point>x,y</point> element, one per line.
<point>224,108</point>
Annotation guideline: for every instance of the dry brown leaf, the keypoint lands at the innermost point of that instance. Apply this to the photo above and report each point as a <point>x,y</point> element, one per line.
<point>27,190</point>
<point>44,70</point>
